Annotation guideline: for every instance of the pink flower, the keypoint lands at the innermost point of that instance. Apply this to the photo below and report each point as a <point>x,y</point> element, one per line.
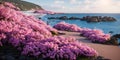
<point>33,37</point>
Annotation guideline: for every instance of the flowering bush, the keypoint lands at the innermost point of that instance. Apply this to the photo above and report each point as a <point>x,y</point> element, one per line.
<point>58,48</point>
<point>17,27</point>
<point>67,27</point>
<point>8,4</point>
<point>34,38</point>
<point>94,35</point>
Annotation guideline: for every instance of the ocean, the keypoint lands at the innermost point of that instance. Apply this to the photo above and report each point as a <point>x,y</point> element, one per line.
<point>105,26</point>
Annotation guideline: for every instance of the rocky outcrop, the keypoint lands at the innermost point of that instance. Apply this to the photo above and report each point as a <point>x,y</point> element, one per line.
<point>74,18</point>
<point>86,18</point>
<point>65,18</point>
<point>114,40</point>
<point>97,18</point>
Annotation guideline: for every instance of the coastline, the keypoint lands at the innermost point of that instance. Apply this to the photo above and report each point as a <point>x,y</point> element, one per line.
<point>30,13</point>
<point>107,51</point>
<point>24,35</point>
<point>105,26</point>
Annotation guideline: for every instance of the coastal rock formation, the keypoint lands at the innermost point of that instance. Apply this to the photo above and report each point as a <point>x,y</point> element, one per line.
<point>74,18</point>
<point>86,18</point>
<point>97,18</point>
<point>114,40</point>
<point>52,18</point>
<point>65,18</point>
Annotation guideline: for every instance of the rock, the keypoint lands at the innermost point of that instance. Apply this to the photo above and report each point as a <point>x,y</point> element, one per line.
<point>114,40</point>
<point>93,20</point>
<point>105,18</point>
<point>74,18</point>
<point>97,18</point>
<point>116,35</point>
<point>51,17</point>
<point>86,18</point>
<point>111,32</point>
<point>40,18</point>
<point>101,58</point>
<point>63,18</point>
<point>54,33</point>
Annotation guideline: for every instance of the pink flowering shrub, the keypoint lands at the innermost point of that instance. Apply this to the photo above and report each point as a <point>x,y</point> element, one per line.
<point>8,4</point>
<point>33,37</point>
<point>58,48</point>
<point>94,35</point>
<point>15,25</point>
<point>67,27</point>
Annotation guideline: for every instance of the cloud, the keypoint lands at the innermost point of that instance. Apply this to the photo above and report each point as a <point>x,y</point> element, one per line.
<point>58,2</point>
<point>99,6</point>
<point>81,6</point>
<point>73,1</point>
<point>106,6</point>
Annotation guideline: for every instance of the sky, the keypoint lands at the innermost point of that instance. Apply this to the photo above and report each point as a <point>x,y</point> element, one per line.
<point>79,6</point>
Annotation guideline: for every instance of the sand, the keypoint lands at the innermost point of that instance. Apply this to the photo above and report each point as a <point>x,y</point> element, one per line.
<point>107,51</point>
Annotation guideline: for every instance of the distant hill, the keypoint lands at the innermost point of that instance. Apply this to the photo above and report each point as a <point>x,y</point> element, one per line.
<point>23,5</point>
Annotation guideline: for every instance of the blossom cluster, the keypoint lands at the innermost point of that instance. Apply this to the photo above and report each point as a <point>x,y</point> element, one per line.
<point>16,26</point>
<point>8,4</point>
<point>95,35</point>
<point>58,47</point>
<point>33,37</point>
<point>67,27</point>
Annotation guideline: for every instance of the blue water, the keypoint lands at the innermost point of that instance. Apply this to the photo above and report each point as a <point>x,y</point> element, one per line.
<point>105,26</point>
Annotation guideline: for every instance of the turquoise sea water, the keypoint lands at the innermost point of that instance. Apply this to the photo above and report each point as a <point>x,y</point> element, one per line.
<point>105,26</point>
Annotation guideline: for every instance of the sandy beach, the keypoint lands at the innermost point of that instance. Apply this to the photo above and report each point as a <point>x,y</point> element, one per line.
<point>107,51</point>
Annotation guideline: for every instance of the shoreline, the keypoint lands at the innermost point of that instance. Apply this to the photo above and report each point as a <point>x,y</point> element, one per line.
<point>107,51</point>
<point>105,26</point>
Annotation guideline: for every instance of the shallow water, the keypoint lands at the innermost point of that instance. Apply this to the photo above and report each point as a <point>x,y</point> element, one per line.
<point>105,26</point>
